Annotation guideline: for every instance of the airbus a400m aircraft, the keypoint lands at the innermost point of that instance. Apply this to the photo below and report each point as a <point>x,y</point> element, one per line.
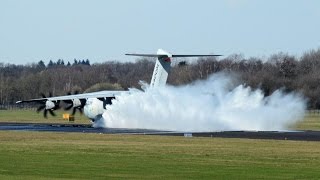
<point>94,104</point>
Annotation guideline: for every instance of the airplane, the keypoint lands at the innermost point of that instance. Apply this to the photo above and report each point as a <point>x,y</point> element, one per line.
<point>94,104</point>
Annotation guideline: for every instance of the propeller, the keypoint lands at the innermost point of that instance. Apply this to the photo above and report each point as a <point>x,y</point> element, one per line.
<point>106,100</point>
<point>48,106</point>
<point>76,104</point>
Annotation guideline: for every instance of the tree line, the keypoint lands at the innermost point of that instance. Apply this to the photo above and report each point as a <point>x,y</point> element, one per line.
<point>279,71</point>
<point>60,62</point>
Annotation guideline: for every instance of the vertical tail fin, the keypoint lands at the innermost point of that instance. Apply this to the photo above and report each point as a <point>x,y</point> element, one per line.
<point>161,69</point>
<point>163,66</point>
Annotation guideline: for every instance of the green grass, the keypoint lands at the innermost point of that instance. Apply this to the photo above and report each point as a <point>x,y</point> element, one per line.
<point>31,116</point>
<point>44,155</point>
<point>310,122</point>
<point>49,155</point>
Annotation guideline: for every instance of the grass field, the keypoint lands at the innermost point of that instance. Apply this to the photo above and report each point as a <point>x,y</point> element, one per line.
<point>30,116</point>
<point>48,155</point>
<point>44,155</point>
<point>310,122</point>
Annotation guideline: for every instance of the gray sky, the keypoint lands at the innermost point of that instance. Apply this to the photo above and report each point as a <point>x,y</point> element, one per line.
<point>101,30</point>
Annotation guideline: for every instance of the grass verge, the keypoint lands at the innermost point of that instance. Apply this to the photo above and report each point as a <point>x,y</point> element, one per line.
<point>30,116</point>
<point>45,155</point>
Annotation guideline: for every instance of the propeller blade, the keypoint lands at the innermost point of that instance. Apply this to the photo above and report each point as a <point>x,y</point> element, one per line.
<point>67,101</point>
<point>43,96</point>
<point>74,111</point>
<point>68,107</point>
<point>80,110</point>
<point>42,102</point>
<point>70,102</point>
<point>57,105</point>
<point>51,112</point>
<point>45,113</point>
<point>41,108</point>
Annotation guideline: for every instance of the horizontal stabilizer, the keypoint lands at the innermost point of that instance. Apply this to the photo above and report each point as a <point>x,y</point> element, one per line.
<point>180,55</point>
<point>145,55</point>
<point>201,55</point>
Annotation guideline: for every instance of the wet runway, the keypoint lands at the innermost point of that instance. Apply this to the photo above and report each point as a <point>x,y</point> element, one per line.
<point>81,128</point>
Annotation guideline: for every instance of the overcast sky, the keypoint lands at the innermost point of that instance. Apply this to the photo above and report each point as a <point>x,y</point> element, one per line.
<point>100,30</point>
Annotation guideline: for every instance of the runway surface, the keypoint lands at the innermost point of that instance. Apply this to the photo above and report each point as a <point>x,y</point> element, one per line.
<point>81,128</point>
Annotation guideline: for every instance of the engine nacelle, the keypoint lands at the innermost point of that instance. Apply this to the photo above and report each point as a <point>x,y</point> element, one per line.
<point>93,108</point>
<point>76,103</point>
<point>50,105</point>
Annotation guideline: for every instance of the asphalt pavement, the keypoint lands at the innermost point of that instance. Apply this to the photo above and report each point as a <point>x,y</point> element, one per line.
<point>84,128</point>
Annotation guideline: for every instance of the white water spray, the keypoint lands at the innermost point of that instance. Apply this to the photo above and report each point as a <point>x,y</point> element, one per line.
<point>215,104</point>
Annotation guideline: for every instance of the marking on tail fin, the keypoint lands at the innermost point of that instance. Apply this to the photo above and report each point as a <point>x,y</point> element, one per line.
<point>160,73</point>
<point>161,69</point>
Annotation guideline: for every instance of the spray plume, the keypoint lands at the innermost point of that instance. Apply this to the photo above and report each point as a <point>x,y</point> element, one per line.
<point>215,104</point>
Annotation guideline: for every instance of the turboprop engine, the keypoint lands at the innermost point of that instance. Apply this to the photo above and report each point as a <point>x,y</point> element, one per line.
<point>94,109</point>
<point>48,106</point>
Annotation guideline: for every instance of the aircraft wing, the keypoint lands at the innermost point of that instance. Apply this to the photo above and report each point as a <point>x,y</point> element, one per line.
<point>99,94</point>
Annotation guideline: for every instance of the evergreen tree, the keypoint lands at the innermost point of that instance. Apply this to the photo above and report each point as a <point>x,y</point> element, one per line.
<point>87,62</point>
<point>41,65</point>
<point>59,62</point>
<point>50,64</point>
<point>75,62</point>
